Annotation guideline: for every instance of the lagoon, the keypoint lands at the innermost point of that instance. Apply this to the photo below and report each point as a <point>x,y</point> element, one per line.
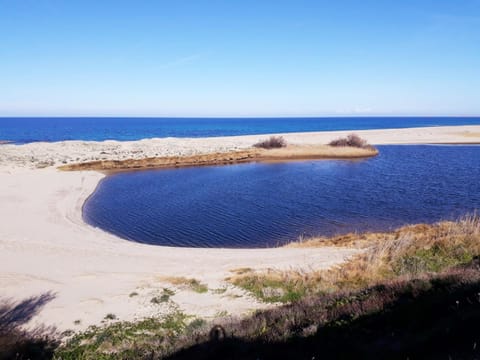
<point>269,204</point>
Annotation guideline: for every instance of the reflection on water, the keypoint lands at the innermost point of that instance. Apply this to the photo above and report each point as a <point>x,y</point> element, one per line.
<point>259,205</point>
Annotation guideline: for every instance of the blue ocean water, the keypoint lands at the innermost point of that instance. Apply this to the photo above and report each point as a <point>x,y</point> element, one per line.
<point>260,205</point>
<point>25,130</point>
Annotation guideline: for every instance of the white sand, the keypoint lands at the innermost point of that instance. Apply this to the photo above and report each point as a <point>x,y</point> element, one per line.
<point>46,154</point>
<point>46,246</point>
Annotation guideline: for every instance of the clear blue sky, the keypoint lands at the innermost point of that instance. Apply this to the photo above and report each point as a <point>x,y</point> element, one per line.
<point>239,57</point>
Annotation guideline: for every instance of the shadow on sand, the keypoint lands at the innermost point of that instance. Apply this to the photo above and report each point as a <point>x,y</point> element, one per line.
<point>17,343</point>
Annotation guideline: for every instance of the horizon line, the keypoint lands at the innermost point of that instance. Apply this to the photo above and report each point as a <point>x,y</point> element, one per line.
<point>236,117</point>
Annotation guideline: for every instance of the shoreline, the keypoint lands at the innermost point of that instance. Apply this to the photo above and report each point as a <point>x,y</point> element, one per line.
<point>93,273</point>
<point>41,155</point>
<point>286,154</point>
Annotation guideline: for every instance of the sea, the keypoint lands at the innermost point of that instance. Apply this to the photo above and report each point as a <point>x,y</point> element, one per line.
<point>26,130</point>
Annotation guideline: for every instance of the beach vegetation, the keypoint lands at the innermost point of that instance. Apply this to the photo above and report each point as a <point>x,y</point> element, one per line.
<point>148,338</point>
<point>271,286</point>
<point>219,291</point>
<point>352,140</point>
<point>110,316</point>
<point>420,317</point>
<point>164,296</point>
<point>406,252</point>
<point>408,293</point>
<point>188,283</point>
<point>426,317</point>
<point>221,314</point>
<point>273,142</point>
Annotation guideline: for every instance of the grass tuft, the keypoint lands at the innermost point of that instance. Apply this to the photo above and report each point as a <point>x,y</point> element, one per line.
<point>164,296</point>
<point>189,283</point>
<point>274,142</point>
<point>110,316</point>
<point>352,140</point>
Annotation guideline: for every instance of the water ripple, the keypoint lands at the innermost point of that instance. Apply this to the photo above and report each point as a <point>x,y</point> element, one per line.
<point>260,205</point>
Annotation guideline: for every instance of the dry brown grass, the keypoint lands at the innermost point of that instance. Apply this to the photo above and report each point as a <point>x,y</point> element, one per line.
<point>306,152</point>
<point>187,283</point>
<point>271,143</point>
<point>352,140</point>
<point>289,153</point>
<point>404,253</point>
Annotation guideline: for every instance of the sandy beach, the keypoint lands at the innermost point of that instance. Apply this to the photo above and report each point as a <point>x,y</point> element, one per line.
<point>46,247</point>
<point>39,155</point>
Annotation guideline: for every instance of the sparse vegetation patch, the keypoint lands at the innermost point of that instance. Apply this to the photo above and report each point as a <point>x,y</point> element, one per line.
<point>164,296</point>
<point>352,140</point>
<point>408,252</point>
<point>273,142</point>
<point>189,283</point>
<point>130,340</point>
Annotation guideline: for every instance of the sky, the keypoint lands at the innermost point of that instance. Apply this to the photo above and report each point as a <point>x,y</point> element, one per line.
<point>239,58</point>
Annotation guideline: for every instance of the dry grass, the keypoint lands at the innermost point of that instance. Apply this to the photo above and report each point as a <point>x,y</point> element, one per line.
<point>288,153</point>
<point>189,283</point>
<point>425,318</point>
<point>306,152</point>
<point>274,142</point>
<point>405,253</point>
<point>428,273</point>
<point>351,140</point>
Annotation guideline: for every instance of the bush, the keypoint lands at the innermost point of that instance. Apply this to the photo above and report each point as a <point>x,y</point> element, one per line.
<point>351,140</point>
<point>271,143</point>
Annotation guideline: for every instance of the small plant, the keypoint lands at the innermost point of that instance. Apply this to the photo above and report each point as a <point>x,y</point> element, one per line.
<point>221,314</point>
<point>352,140</point>
<point>164,297</point>
<point>110,316</point>
<point>156,300</point>
<point>167,291</point>
<point>197,286</point>
<point>196,324</point>
<point>241,271</point>
<point>272,287</point>
<point>77,322</point>
<point>272,143</point>
<point>219,291</point>
<point>192,284</point>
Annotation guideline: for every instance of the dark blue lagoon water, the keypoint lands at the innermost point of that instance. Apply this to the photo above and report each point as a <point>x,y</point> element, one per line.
<point>24,130</point>
<point>259,204</point>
